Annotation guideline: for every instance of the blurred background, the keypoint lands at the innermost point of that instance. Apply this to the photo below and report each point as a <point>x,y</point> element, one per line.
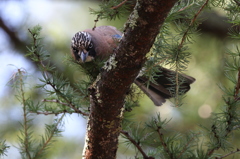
<point>60,20</point>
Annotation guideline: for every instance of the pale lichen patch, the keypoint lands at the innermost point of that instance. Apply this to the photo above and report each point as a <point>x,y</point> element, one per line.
<point>111,63</point>
<point>132,20</point>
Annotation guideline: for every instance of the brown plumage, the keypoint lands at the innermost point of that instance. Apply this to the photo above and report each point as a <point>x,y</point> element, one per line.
<point>100,42</point>
<point>104,40</point>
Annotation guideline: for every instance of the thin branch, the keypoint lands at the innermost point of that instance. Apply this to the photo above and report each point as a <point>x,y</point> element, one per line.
<point>232,152</point>
<point>53,113</point>
<point>163,142</point>
<point>237,2</point>
<point>237,86</point>
<point>47,142</point>
<point>136,144</point>
<point>185,147</point>
<point>100,14</point>
<point>182,9</point>
<point>95,21</point>
<point>25,114</point>
<point>214,129</point>
<point>180,47</point>
<point>66,104</point>
<point>119,5</point>
<point>36,54</point>
<point>45,71</point>
<point>15,40</point>
<point>190,25</point>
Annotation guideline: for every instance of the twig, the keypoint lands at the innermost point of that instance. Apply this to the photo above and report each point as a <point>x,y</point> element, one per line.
<point>182,9</point>
<point>66,104</point>
<point>48,81</point>
<point>163,142</point>
<point>214,129</point>
<point>49,137</point>
<point>95,21</point>
<point>53,113</point>
<point>25,115</point>
<point>237,2</point>
<point>119,5</point>
<point>232,152</point>
<point>36,54</point>
<point>100,14</point>
<point>185,147</point>
<point>126,134</point>
<point>192,21</point>
<point>237,86</point>
<point>12,33</point>
<point>156,64</point>
<point>181,45</point>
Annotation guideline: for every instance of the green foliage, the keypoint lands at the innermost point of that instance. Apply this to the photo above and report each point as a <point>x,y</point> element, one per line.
<point>62,96</point>
<point>171,46</point>
<point>111,10</point>
<point>28,146</point>
<point>155,140</point>
<point>152,139</point>
<point>3,148</point>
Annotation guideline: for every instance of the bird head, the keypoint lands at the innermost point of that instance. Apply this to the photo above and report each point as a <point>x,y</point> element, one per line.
<point>82,47</point>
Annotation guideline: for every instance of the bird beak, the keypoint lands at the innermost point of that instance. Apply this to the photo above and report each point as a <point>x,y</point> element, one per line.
<point>84,56</point>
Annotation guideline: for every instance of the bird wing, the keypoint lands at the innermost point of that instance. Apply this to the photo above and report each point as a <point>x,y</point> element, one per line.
<point>160,91</point>
<point>104,40</point>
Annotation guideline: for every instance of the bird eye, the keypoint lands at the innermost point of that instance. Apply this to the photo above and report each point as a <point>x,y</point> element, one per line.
<point>75,50</point>
<point>90,46</point>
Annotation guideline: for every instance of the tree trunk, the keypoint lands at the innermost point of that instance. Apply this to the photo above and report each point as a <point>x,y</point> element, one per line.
<point>108,92</point>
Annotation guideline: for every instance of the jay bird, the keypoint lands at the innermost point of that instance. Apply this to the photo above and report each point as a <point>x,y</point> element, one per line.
<point>99,43</point>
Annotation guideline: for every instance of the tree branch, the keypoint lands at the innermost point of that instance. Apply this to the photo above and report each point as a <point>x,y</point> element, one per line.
<point>109,90</point>
<point>237,87</point>
<point>166,149</point>
<point>119,5</point>
<point>15,40</point>
<point>76,110</point>
<point>232,152</point>
<point>126,134</point>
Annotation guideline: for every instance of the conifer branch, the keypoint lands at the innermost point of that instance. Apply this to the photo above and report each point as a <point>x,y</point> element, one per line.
<point>26,137</point>
<point>70,104</point>
<point>3,148</point>
<point>52,131</point>
<point>236,93</point>
<point>237,2</point>
<point>180,47</point>
<point>119,5</point>
<point>230,116</point>
<point>45,71</point>
<point>182,9</point>
<point>214,131</point>
<point>164,144</point>
<point>191,24</point>
<point>185,147</point>
<point>54,113</point>
<point>136,144</point>
<point>39,59</point>
<point>232,152</point>
<point>66,104</point>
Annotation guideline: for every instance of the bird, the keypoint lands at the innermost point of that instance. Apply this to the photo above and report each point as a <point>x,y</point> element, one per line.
<point>99,43</point>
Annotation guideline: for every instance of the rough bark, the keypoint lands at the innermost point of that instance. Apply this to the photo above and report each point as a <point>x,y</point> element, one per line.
<point>109,90</point>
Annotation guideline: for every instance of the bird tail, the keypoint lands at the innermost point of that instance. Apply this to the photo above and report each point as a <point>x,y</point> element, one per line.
<point>164,85</point>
